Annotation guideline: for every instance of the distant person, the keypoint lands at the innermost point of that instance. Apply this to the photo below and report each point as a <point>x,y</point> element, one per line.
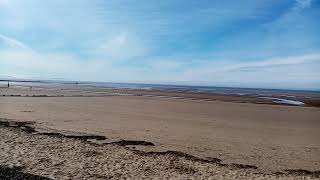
<point>8,84</point>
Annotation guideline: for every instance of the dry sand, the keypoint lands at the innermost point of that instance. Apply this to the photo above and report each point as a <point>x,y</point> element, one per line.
<point>26,153</point>
<point>270,137</point>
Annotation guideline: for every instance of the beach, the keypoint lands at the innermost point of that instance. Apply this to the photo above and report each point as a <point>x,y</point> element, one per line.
<point>201,137</point>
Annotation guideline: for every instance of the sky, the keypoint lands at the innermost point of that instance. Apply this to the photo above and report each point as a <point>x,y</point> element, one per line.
<point>247,43</point>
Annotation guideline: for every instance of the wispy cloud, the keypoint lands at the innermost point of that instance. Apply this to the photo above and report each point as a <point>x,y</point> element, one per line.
<point>49,65</point>
<point>289,72</point>
<point>302,4</point>
<point>121,47</point>
<point>279,61</point>
<point>13,43</point>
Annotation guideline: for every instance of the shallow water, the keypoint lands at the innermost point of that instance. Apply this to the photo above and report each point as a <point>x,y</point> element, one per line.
<point>291,97</point>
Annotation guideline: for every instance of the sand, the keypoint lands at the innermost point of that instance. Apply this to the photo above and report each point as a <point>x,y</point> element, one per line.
<point>273,138</point>
<point>25,153</point>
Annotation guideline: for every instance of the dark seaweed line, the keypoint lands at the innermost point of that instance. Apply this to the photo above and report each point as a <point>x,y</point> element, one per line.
<point>25,126</point>
<point>130,142</point>
<point>16,173</point>
<point>79,137</point>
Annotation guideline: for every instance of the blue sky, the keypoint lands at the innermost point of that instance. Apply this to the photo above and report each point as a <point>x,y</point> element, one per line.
<point>247,43</point>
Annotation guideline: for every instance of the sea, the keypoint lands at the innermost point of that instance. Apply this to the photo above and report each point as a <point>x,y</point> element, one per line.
<point>281,96</point>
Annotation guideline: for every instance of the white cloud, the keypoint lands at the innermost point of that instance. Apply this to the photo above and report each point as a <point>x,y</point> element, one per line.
<point>21,63</point>
<point>283,61</point>
<point>122,46</point>
<point>49,63</point>
<point>50,14</point>
<point>280,72</point>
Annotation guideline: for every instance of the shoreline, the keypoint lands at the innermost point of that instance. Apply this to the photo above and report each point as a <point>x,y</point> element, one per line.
<point>272,98</point>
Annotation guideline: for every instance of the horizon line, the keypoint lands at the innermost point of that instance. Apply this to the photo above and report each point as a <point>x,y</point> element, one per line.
<point>39,80</point>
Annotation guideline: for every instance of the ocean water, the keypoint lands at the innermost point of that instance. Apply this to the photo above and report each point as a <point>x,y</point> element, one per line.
<point>292,97</point>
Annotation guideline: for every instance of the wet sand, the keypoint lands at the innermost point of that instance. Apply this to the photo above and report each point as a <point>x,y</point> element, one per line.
<point>311,99</point>
<point>273,138</point>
